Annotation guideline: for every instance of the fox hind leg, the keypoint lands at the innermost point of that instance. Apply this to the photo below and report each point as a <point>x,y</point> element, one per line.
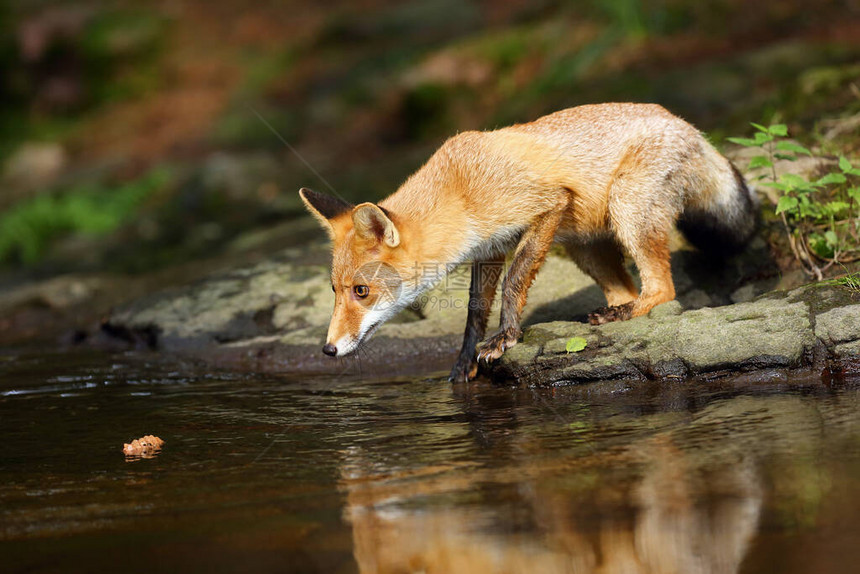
<point>651,254</point>
<point>644,204</point>
<point>603,260</point>
<point>482,290</point>
<point>528,257</point>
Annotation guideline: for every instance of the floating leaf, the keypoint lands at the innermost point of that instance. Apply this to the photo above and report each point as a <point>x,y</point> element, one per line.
<point>143,447</point>
<point>575,344</point>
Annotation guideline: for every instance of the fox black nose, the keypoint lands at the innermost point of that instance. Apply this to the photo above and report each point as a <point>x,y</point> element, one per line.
<point>330,350</point>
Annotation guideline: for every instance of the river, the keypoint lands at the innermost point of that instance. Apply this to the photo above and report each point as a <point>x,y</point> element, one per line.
<point>298,474</point>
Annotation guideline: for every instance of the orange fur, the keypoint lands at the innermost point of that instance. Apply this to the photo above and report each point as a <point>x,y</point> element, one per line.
<point>600,179</point>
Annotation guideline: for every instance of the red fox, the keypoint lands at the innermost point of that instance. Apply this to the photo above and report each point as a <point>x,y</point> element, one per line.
<point>601,180</point>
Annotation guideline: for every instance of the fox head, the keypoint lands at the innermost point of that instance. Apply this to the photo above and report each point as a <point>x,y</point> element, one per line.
<point>368,272</point>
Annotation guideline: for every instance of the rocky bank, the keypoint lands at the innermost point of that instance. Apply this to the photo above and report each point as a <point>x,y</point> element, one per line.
<point>273,316</point>
<point>815,326</point>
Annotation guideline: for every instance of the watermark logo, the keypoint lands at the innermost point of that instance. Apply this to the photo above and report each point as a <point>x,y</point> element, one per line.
<point>383,282</point>
<point>385,285</point>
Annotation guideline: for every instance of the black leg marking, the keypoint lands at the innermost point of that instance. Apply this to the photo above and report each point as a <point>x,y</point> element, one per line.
<point>527,259</point>
<point>482,291</point>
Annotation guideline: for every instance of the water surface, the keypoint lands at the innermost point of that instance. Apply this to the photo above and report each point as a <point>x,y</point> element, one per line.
<point>293,474</point>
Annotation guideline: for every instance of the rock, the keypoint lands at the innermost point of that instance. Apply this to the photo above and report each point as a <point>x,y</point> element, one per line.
<point>669,309</point>
<point>778,330</point>
<point>58,292</point>
<point>838,127</point>
<point>744,294</point>
<point>273,316</point>
<point>240,304</point>
<point>31,167</point>
<point>839,325</point>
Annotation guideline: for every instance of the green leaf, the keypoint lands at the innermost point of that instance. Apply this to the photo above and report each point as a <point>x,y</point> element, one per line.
<point>776,185</point>
<point>836,207</point>
<point>831,178</point>
<point>854,193</point>
<point>794,180</point>
<point>747,142</point>
<point>778,130</point>
<point>820,245</point>
<point>789,157</point>
<point>575,344</point>
<point>794,147</point>
<point>844,164</point>
<point>760,138</point>
<point>830,237</point>
<point>786,203</point>
<point>759,161</point>
<point>759,127</point>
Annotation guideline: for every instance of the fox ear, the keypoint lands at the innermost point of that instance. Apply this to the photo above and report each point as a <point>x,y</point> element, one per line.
<point>323,207</point>
<point>372,223</point>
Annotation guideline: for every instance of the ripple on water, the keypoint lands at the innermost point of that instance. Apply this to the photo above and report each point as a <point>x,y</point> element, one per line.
<point>417,474</point>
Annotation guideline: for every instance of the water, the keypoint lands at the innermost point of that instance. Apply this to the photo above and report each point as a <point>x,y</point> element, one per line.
<point>291,474</point>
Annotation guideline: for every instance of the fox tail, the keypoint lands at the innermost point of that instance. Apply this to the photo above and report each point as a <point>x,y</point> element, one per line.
<point>723,226</point>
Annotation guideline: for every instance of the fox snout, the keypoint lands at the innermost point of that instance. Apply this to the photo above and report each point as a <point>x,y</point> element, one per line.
<point>330,350</point>
<point>341,347</point>
<point>368,266</point>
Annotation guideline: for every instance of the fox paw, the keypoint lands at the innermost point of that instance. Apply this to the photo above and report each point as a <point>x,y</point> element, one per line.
<point>610,314</point>
<point>495,346</point>
<point>464,371</point>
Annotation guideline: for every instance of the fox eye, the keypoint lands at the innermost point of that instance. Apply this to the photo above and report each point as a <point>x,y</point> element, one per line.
<point>361,291</point>
<point>332,288</point>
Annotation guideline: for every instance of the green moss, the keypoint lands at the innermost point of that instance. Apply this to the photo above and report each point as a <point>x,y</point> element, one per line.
<point>28,228</point>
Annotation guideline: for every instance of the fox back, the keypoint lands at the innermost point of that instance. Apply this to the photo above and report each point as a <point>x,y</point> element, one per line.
<point>603,180</point>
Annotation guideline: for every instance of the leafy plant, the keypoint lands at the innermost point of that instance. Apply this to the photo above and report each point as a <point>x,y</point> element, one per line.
<point>850,280</point>
<point>821,217</point>
<point>28,228</point>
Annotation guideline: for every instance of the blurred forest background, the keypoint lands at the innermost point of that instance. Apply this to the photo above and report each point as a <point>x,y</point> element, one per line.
<point>145,139</point>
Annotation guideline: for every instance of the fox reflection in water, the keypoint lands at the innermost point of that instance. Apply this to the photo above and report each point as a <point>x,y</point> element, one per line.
<point>675,511</point>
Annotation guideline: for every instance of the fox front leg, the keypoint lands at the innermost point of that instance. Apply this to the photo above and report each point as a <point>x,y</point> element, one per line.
<point>528,257</point>
<point>482,291</point>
